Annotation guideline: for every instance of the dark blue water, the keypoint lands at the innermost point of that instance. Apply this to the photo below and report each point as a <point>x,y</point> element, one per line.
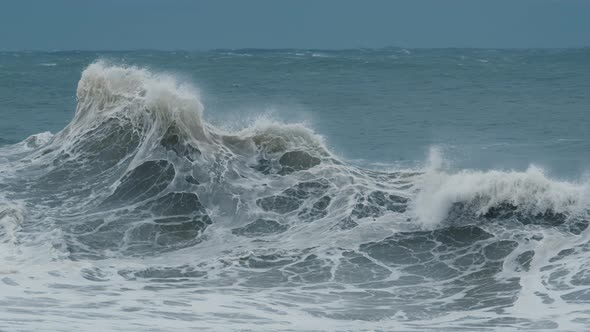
<point>295,190</point>
<point>486,108</point>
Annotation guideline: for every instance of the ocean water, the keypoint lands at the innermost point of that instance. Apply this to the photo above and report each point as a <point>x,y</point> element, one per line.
<point>295,190</point>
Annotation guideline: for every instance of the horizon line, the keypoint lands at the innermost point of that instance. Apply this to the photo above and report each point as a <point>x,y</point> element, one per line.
<point>285,49</point>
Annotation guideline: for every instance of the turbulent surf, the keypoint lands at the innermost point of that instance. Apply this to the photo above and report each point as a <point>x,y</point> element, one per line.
<point>140,208</point>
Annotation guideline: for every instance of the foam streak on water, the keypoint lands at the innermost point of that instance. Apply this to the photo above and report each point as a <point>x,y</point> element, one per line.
<point>139,215</point>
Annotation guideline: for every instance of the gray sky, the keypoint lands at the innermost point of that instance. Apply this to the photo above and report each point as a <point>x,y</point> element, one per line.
<point>324,24</point>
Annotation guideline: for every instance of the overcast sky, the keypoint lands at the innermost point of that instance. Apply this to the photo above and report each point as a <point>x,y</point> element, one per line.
<point>323,24</point>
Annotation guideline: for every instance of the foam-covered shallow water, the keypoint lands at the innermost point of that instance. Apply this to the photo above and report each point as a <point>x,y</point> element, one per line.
<point>142,215</point>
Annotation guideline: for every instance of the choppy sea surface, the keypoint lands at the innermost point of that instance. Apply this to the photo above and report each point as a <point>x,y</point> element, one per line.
<point>295,190</point>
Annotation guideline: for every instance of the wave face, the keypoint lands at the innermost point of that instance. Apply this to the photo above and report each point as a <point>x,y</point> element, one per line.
<point>141,208</point>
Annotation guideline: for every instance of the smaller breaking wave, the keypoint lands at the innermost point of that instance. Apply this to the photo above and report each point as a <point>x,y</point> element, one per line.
<point>529,195</point>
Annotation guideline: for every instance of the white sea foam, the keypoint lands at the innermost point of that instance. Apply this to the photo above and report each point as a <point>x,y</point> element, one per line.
<point>11,217</point>
<point>317,273</point>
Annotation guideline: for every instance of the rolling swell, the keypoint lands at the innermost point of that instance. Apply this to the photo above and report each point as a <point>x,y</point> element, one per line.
<point>138,173</point>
